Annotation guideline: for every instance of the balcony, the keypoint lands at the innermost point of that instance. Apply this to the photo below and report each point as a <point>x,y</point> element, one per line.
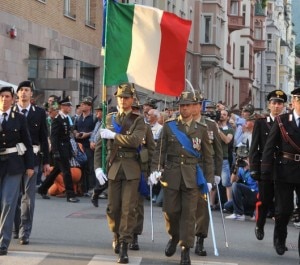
<point>258,45</point>
<point>235,23</point>
<point>210,55</point>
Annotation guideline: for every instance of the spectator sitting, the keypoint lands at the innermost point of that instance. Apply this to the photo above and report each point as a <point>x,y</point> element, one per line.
<point>244,192</point>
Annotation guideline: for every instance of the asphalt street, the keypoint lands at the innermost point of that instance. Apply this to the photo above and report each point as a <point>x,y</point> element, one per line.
<point>77,234</point>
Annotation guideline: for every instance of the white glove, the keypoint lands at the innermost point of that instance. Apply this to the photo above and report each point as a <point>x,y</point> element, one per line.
<point>217,180</point>
<point>154,177</point>
<point>107,134</point>
<point>209,187</point>
<point>100,176</point>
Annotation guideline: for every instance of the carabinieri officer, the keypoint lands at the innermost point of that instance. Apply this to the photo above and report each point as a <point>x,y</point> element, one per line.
<point>16,160</point>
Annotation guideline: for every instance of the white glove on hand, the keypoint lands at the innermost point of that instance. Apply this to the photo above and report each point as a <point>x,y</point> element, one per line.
<point>209,187</point>
<point>100,176</point>
<point>154,177</point>
<point>107,134</point>
<point>217,180</point>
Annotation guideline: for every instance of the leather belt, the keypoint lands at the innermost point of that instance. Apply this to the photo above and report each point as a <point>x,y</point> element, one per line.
<point>36,149</point>
<point>183,160</point>
<point>9,151</point>
<point>289,156</point>
<point>126,155</point>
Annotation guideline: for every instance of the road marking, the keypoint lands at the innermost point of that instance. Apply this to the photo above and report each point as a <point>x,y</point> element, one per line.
<point>22,257</point>
<point>108,260</point>
<point>211,263</point>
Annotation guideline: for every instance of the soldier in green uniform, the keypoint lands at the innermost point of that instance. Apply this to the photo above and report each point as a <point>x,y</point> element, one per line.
<point>124,133</point>
<point>181,143</point>
<point>202,216</point>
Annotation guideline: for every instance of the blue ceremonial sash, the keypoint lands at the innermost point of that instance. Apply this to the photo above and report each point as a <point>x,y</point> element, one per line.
<point>185,141</point>
<point>117,127</point>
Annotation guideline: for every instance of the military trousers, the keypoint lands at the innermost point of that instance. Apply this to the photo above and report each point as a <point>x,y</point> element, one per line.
<point>121,209</point>
<point>180,213</point>
<point>202,216</point>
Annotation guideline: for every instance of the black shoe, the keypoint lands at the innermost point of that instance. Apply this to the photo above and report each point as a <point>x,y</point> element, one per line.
<point>199,249</point>
<point>185,256</point>
<point>3,251</point>
<point>94,199</point>
<point>171,247</point>
<point>72,199</point>
<point>116,244</point>
<point>24,240</point>
<point>123,256</point>
<point>259,233</point>
<point>44,195</point>
<point>134,245</point>
<point>279,247</point>
<point>16,234</point>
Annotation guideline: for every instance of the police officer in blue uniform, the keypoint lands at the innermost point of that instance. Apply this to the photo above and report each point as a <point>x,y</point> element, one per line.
<point>62,151</point>
<point>16,160</point>
<point>283,142</point>
<point>36,120</point>
<point>261,130</point>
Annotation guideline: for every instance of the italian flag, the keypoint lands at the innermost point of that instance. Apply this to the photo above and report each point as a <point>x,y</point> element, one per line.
<point>145,46</point>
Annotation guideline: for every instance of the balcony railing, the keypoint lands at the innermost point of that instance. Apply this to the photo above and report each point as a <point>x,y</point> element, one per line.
<point>235,23</point>
<point>259,45</point>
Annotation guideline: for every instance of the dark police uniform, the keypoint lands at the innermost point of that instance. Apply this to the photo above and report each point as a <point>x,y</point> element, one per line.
<point>62,152</point>
<point>13,167</point>
<point>261,130</point>
<point>37,124</point>
<point>284,142</point>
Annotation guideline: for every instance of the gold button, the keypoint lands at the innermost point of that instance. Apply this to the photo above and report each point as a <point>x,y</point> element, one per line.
<point>181,163</point>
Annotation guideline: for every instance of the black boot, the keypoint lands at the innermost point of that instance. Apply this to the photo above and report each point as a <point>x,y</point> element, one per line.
<point>116,244</point>
<point>199,249</point>
<point>185,256</point>
<point>95,197</point>
<point>123,256</point>
<point>134,245</point>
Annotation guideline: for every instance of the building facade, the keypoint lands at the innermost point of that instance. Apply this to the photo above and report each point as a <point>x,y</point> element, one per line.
<point>54,43</point>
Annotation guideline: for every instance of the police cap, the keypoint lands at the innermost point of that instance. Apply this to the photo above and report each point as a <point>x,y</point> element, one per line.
<point>296,93</point>
<point>277,95</point>
<point>26,83</point>
<point>65,102</point>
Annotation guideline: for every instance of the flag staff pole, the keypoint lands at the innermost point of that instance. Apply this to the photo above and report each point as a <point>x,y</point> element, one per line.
<point>104,94</point>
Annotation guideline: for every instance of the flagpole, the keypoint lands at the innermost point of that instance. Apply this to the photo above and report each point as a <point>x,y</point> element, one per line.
<point>104,94</point>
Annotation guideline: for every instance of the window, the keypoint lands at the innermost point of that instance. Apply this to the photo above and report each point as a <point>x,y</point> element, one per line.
<point>207,29</point>
<point>269,42</point>
<point>70,8</point>
<point>234,8</point>
<point>242,56</point>
<point>87,76</point>
<point>90,13</point>
<point>269,74</point>
<point>244,14</point>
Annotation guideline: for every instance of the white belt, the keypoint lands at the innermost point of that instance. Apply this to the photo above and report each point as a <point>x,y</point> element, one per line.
<point>9,151</point>
<point>36,149</point>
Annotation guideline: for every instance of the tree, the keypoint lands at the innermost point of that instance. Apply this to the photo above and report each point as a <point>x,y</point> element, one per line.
<point>297,50</point>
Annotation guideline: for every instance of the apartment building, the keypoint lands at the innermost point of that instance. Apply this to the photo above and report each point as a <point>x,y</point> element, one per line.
<point>278,59</point>
<point>55,43</point>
